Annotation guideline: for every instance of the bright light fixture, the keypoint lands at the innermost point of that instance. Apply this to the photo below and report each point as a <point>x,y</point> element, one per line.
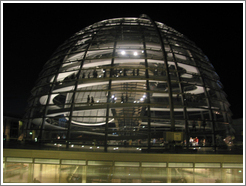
<point>123,52</point>
<point>135,53</point>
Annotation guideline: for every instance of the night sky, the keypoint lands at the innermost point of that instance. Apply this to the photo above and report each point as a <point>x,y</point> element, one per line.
<point>33,31</point>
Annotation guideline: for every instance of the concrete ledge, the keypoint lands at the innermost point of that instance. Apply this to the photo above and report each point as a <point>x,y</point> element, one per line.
<point>139,157</point>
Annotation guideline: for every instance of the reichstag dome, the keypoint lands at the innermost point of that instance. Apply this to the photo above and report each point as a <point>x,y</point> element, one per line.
<point>127,82</point>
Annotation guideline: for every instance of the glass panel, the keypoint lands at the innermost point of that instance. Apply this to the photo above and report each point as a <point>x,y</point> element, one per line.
<point>104,163</point>
<point>72,174</point>
<point>99,174</point>
<point>126,175</point>
<point>71,162</point>
<point>53,161</point>
<point>150,164</point>
<point>232,175</point>
<point>232,165</point>
<point>209,165</point>
<point>13,159</point>
<point>207,175</point>
<point>16,172</point>
<point>128,164</point>
<point>45,173</point>
<point>154,175</point>
<point>180,164</point>
<point>181,175</point>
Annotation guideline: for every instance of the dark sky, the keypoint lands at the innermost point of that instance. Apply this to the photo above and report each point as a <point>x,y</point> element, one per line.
<point>32,32</point>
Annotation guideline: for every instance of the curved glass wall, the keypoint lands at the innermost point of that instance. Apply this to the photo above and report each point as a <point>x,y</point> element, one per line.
<point>127,81</point>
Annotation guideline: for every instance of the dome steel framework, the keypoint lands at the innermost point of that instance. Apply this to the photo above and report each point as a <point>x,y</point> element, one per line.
<point>128,79</point>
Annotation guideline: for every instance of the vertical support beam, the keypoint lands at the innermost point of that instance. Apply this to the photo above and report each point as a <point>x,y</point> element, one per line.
<point>169,175</point>
<point>181,88</point>
<point>75,90</point>
<point>167,71</point>
<point>84,173</point>
<point>210,112</point>
<point>48,99</point>
<point>208,100</point>
<point>148,93</point>
<point>30,172</point>
<point>109,96</point>
<point>59,171</point>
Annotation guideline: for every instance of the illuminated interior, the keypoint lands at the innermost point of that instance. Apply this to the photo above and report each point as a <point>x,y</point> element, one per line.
<point>144,78</point>
<point>46,166</point>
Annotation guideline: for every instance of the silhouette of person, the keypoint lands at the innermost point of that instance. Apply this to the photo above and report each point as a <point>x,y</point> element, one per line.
<point>95,73</point>
<point>88,100</point>
<point>122,99</point>
<point>124,72</point>
<point>126,98</point>
<point>92,100</point>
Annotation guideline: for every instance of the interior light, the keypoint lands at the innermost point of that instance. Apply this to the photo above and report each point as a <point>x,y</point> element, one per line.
<point>82,146</point>
<point>135,53</point>
<point>123,52</point>
<point>141,99</point>
<point>90,147</point>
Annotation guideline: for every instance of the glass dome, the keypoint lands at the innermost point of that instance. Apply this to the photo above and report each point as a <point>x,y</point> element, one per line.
<point>129,82</point>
